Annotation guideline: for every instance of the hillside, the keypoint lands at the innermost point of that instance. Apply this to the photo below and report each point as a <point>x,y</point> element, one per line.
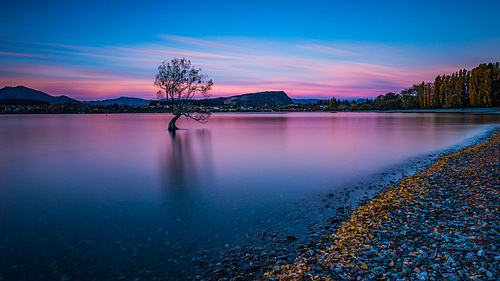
<point>271,98</point>
<point>24,93</point>
<point>22,102</point>
<point>120,101</point>
<point>305,101</point>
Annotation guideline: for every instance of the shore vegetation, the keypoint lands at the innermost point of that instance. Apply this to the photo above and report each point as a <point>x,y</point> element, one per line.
<point>476,88</point>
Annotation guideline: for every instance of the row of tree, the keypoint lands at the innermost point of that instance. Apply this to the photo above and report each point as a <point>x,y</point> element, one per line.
<point>479,87</point>
<point>389,101</point>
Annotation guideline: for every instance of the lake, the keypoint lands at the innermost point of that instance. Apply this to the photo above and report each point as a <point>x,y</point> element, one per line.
<point>118,197</point>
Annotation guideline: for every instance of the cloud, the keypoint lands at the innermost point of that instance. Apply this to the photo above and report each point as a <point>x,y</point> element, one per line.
<point>24,55</point>
<point>237,65</point>
<point>198,42</point>
<point>86,88</point>
<point>159,51</point>
<point>326,50</point>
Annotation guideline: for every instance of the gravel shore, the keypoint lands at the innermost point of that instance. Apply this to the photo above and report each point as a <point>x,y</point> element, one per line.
<point>441,224</point>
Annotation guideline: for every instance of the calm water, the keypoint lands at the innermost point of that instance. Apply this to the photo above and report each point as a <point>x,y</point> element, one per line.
<point>119,197</point>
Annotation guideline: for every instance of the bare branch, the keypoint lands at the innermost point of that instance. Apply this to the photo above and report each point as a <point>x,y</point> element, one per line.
<point>179,82</point>
<point>201,117</point>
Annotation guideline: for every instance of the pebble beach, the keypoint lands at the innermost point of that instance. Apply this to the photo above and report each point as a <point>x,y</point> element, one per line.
<point>440,224</point>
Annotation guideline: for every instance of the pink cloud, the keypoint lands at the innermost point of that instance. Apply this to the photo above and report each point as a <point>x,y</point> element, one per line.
<point>25,55</point>
<point>86,89</point>
<point>237,65</point>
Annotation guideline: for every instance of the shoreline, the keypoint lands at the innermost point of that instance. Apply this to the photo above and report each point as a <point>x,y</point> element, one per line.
<point>377,228</point>
<point>486,110</point>
<point>489,110</point>
<point>265,251</point>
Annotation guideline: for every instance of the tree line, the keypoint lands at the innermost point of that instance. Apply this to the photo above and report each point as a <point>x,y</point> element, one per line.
<point>479,87</point>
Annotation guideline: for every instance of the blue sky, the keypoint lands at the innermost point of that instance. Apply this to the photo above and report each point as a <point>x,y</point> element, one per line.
<point>104,49</point>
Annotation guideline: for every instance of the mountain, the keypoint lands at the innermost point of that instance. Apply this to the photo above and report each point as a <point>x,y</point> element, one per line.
<point>305,101</point>
<point>271,98</point>
<point>24,93</point>
<point>358,101</point>
<point>23,102</point>
<point>209,102</point>
<point>120,101</point>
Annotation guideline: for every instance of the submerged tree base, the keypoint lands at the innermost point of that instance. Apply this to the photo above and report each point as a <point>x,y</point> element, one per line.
<point>171,124</point>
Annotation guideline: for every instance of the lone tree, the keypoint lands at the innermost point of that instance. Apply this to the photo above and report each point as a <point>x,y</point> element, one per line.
<point>179,82</point>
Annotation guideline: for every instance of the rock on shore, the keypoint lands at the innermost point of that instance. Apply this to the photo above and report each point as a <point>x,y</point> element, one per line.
<point>441,224</point>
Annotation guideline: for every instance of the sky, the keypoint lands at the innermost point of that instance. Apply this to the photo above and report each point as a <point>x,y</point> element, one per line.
<point>309,49</point>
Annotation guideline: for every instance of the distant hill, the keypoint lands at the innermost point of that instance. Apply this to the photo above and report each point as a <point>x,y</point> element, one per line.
<point>24,93</point>
<point>271,98</point>
<point>23,102</point>
<point>305,101</point>
<point>209,102</point>
<point>120,101</point>
<point>358,101</point>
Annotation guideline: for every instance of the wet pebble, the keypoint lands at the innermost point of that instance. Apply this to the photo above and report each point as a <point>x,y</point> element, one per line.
<point>440,224</point>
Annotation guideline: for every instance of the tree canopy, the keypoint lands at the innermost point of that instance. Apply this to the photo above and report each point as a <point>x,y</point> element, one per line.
<point>179,82</point>
<point>479,87</point>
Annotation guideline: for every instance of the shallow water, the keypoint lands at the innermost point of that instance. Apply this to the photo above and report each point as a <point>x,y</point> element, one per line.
<point>119,197</point>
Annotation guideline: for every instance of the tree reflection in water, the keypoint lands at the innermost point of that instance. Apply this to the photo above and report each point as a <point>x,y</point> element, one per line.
<point>187,162</point>
<point>186,170</point>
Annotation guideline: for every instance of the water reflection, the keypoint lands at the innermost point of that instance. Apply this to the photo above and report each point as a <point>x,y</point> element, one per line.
<point>186,162</point>
<point>121,192</point>
<point>186,169</point>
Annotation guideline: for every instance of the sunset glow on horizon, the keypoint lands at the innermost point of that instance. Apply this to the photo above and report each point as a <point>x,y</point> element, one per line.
<point>305,60</point>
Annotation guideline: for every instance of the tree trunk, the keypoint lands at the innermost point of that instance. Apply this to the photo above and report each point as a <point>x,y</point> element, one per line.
<point>171,125</point>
